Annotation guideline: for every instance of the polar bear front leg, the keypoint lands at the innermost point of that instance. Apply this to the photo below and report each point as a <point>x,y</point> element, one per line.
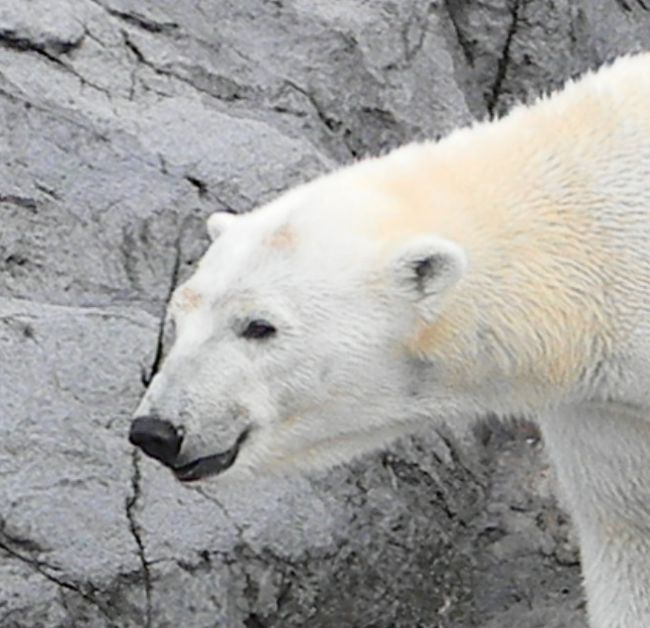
<point>602,456</point>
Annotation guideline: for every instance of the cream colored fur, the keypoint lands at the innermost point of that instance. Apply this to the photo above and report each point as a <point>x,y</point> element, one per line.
<point>503,269</point>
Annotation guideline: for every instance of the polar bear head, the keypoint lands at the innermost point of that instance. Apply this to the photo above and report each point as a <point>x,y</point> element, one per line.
<point>295,336</point>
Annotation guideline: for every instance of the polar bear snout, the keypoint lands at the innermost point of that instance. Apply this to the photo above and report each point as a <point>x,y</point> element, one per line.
<point>161,440</point>
<point>156,438</point>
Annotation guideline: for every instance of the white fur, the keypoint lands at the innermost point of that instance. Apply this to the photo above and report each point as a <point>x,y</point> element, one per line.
<point>601,455</point>
<point>218,223</point>
<point>538,303</point>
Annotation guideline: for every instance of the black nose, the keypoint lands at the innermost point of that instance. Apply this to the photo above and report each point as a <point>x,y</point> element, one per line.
<point>157,438</point>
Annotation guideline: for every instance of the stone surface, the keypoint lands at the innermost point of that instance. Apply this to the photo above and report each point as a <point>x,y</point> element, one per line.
<point>123,124</point>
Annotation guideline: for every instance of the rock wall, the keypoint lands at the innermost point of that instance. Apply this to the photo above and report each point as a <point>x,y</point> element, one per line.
<point>123,124</point>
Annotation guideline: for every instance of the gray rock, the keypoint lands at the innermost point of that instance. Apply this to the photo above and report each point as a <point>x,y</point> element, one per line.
<point>122,126</point>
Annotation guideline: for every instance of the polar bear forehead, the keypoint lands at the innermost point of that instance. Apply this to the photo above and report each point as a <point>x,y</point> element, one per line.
<point>275,246</point>
<point>237,253</point>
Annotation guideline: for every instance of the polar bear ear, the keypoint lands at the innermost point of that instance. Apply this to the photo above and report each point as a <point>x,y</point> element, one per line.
<point>428,266</point>
<point>218,222</point>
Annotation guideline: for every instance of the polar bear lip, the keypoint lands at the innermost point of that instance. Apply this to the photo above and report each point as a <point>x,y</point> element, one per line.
<point>210,465</point>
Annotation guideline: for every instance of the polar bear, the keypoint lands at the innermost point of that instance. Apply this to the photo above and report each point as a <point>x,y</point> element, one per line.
<point>503,269</point>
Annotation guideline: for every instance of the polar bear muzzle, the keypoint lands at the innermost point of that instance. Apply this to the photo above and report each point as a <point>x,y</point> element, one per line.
<point>160,440</point>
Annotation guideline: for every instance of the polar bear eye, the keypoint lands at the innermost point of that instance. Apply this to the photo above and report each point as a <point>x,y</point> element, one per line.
<point>257,329</point>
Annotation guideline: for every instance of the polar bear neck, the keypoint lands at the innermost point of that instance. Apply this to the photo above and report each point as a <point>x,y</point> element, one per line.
<point>532,199</point>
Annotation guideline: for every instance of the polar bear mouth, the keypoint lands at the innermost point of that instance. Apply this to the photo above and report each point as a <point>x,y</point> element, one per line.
<point>210,465</point>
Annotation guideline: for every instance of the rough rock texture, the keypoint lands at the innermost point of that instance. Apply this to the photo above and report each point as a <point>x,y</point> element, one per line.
<point>123,124</point>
